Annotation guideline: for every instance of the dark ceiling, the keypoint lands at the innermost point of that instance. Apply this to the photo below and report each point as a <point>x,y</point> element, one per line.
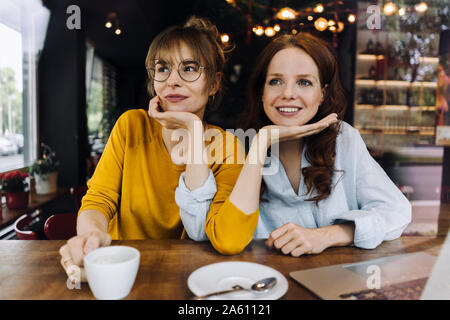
<point>141,20</point>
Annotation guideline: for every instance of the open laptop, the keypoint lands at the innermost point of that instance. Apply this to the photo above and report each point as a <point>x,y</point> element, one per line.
<point>409,276</point>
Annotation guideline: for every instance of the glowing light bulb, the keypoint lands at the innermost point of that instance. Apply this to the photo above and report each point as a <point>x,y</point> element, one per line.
<point>318,8</point>
<point>270,32</point>
<point>321,24</point>
<point>286,14</point>
<point>108,24</point>
<point>259,31</point>
<point>276,27</point>
<point>118,31</point>
<point>421,7</point>
<point>224,38</point>
<point>389,8</point>
<point>401,11</point>
<point>351,18</point>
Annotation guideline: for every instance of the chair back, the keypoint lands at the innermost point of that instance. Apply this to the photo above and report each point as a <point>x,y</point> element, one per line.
<point>77,194</point>
<point>61,226</point>
<point>22,228</point>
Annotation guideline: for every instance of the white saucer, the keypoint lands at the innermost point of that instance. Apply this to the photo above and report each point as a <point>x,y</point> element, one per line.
<point>224,275</point>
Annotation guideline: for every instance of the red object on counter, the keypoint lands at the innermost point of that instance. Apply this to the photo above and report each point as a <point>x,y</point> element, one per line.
<point>17,200</point>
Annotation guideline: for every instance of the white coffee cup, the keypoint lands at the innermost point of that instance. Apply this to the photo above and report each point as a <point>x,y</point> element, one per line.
<point>111,271</point>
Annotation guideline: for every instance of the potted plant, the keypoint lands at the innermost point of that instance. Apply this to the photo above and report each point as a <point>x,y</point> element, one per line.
<point>15,188</point>
<point>45,171</point>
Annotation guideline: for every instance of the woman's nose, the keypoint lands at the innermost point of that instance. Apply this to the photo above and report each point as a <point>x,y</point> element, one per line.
<point>289,91</point>
<point>173,79</point>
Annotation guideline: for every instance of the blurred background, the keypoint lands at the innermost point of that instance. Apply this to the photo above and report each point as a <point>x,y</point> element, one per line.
<point>69,69</point>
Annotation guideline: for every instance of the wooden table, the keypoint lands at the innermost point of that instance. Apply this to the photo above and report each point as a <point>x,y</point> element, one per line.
<point>31,269</point>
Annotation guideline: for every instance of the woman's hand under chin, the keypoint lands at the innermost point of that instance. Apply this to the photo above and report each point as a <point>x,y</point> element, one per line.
<point>172,119</point>
<point>275,133</point>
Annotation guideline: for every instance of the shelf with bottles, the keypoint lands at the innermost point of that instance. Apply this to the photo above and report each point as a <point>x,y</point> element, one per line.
<point>396,80</point>
<point>393,83</point>
<point>401,96</point>
<point>361,57</point>
<point>411,131</point>
<point>394,107</point>
<point>402,120</point>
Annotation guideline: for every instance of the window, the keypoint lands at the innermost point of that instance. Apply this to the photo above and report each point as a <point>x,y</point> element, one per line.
<point>101,99</point>
<point>23,25</point>
<point>94,91</point>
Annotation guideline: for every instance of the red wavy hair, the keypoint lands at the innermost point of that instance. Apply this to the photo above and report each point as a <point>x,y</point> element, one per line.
<point>320,148</point>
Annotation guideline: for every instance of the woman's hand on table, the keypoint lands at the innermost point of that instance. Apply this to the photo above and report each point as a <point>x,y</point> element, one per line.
<point>73,252</point>
<point>297,240</point>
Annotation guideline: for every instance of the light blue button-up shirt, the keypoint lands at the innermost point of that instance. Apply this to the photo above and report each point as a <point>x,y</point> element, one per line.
<point>361,192</point>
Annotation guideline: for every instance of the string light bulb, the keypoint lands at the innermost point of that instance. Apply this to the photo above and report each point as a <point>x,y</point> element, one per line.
<point>421,7</point>
<point>321,24</point>
<point>111,20</point>
<point>401,12</point>
<point>389,8</point>
<point>118,31</point>
<point>340,26</point>
<point>331,22</point>
<point>351,18</point>
<point>259,31</point>
<point>310,18</point>
<point>269,32</point>
<point>318,8</point>
<point>277,27</point>
<point>224,38</point>
<point>286,14</point>
<point>294,31</point>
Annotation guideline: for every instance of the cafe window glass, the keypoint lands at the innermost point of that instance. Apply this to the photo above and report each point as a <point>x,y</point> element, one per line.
<point>23,26</point>
<point>101,99</point>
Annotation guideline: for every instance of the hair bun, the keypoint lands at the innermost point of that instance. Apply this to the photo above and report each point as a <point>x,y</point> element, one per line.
<point>204,25</point>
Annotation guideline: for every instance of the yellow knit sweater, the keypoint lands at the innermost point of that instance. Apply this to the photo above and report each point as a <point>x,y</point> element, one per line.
<point>135,180</point>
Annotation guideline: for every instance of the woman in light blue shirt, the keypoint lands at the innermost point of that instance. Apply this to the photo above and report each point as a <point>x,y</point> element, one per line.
<point>319,187</point>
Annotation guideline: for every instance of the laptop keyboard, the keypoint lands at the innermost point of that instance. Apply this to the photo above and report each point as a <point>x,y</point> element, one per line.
<point>409,290</point>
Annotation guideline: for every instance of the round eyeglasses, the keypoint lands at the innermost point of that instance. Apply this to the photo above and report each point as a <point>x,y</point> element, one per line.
<point>188,70</point>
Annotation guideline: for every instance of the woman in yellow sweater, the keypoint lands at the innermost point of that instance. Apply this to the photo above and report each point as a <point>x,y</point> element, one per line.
<point>145,166</point>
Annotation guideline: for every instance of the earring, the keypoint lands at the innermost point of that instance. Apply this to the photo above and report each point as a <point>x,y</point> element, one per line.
<point>212,98</point>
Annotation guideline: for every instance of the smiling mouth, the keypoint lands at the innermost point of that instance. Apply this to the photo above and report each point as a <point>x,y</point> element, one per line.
<point>288,110</point>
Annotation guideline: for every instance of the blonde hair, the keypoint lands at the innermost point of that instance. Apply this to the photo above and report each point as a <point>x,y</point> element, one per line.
<point>201,36</point>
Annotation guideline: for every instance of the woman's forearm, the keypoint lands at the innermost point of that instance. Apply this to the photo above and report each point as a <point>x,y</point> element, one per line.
<point>197,169</point>
<point>246,192</point>
<point>339,235</point>
<point>91,220</point>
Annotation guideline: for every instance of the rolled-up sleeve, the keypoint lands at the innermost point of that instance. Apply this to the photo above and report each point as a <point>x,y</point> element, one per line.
<point>383,211</point>
<point>194,205</point>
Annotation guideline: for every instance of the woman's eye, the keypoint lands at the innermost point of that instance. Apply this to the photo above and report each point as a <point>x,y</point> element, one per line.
<point>304,82</point>
<point>274,82</point>
<point>162,69</point>
<point>190,69</point>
